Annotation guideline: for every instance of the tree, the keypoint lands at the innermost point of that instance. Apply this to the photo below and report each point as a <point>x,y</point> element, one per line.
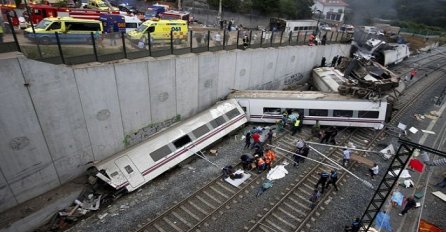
<point>304,9</point>
<point>267,7</point>
<point>288,9</point>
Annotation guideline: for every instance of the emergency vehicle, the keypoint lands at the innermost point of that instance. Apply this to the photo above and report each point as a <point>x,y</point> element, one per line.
<point>173,14</point>
<point>160,30</point>
<point>70,30</point>
<point>9,9</point>
<point>101,5</point>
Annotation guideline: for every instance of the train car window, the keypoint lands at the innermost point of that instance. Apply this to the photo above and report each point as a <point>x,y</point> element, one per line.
<point>291,111</point>
<point>233,113</point>
<point>218,121</point>
<point>128,169</point>
<point>343,113</point>
<point>160,153</point>
<point>368,114</point>
<point>182,141</point>
<point>200,131</point>
<point>244,109</point>
<point>317,112</point>
<point>274,111</point>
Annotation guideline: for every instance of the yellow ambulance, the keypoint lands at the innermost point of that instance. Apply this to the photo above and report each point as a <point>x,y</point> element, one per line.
<point>160,31</point>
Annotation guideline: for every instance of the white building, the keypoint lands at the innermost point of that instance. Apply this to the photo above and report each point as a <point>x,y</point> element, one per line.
<point>332,10</point>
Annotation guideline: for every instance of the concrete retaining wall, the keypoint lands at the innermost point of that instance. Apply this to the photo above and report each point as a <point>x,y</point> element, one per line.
<point>56,119</point>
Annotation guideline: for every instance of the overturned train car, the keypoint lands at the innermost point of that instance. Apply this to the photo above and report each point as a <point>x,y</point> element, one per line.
<point>134,167</point>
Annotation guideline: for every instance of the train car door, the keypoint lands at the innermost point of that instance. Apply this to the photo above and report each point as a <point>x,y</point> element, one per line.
<point>131,173</point>
<point>245,106</point>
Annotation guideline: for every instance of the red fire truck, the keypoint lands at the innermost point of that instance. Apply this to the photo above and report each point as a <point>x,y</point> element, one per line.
<point>40,12</point>
<point>9,9</point>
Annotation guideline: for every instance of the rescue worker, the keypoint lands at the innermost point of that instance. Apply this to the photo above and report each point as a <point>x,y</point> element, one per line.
<point>346,156</point>
<point>409,204</point>
<point>333,61</point>
<point>316,130</point>
<point>245,41</point>
<point>247,140</point>
<point>413,72</point>
<point>323,61</point>
<point>333,133</point>
<point>324,39</point>
<point>261,165</point>
<point>256,139</point>
<point>374,170</point>
<point>269,157</point>
<point>326,135</point>
<point>247,160</point>
<point>322,180</point>
<point>356,225</point>
<point>296,126</point>
<point>333,179</point>
<point>269,137</point>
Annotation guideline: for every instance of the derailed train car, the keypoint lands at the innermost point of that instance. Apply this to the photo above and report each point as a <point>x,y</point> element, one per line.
<point>132,168</point>
<point>328,108</point>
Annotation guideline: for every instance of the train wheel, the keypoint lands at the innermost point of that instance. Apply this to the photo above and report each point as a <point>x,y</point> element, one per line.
<point>343,90</point>
<point>361,93</point>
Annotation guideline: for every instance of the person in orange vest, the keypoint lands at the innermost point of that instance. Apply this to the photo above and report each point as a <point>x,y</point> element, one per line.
<point>413,73</point>
<point>261,164</point>
<point>269,157</point>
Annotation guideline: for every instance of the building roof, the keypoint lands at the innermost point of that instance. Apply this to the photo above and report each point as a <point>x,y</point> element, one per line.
<point>332,2</point>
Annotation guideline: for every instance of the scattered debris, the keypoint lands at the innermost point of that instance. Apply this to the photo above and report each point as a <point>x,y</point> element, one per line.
<point>102,216</point>
<point>413,130</point>
<point>214,151</point>
<point>440,195</point>
<point>123,207</point>
<point>428,132</point>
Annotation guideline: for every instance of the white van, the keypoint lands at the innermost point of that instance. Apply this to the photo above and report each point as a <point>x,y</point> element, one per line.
<point>131,23</point>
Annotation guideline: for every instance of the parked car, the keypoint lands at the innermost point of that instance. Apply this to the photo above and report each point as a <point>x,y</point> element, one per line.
<point>325,27</point>
<point>127,8</point>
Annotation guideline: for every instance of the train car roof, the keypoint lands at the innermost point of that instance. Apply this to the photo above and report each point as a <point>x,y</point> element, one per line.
<point>290,95</point>
<point>178,129</point>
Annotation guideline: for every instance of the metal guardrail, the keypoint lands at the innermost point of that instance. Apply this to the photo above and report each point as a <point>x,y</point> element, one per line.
<point>59,48</point>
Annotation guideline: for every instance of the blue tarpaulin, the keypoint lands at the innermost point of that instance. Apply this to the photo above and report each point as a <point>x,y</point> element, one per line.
<point>382,221</point>
<point>398,197</point>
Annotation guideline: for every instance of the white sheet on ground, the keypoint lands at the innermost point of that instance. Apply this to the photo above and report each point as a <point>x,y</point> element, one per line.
<point>277,172</point>
<point>388,152</point>
<point>404,174</point>
<point>237,182</point>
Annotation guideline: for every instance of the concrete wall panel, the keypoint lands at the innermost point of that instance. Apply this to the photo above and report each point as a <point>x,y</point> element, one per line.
<point>207,80</point>
<point>187,85</point>
<point>62,121</point>
<point>99,97</point>
<point>25,161</point>
<point>226,75</point>
<point>7,199</point>
<point>257,68</point>
<point>284,62</point>
<point>162,89</point>
<point>132,80</point>
<point>269,67</point>
<point>243,69</point>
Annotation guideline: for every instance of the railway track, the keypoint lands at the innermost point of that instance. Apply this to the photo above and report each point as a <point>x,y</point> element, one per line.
<point>208,202</point>
<point>291,212</point>
<point>211,201</point>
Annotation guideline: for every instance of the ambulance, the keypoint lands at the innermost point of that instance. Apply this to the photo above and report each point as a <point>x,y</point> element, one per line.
<point>160,31</point>
<point>70,30</point>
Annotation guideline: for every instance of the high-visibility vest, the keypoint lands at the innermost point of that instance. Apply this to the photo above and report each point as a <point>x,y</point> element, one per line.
<point>297,123</point>
<point>270,156</point>
<point>1,29</point>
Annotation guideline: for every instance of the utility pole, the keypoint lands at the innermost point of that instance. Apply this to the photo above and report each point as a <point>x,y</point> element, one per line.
<point>179,5</point>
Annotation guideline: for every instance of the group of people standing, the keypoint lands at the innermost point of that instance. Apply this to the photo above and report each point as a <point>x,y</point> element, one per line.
<point>336,61</point>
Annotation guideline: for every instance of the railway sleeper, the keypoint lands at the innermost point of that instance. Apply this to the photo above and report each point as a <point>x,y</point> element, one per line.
<point>283,221</point>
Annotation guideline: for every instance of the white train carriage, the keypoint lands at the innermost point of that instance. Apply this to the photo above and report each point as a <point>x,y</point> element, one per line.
<point>141,163</point>
<point>329,108</point>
